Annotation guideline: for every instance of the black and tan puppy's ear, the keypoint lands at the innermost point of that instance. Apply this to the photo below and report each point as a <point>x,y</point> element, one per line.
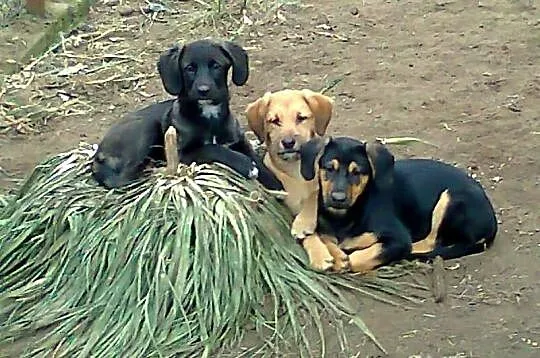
<point>240,61</point>
<point>256,114</point>
<point>381,162</point>
<point>169,70</point>
<point>321,106</point>
<point>310,153</point>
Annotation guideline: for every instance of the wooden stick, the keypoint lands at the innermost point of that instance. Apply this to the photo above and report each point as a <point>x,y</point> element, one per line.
<point>438,280</point>
<point>171,151</point>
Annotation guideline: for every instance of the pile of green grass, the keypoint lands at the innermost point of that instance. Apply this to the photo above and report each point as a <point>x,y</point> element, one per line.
<point>169,266</point>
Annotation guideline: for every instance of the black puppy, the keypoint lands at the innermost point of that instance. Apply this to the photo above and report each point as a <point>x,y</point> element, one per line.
<point>207,132</point>
<point>380,210</point>
<point>136,141</point>
<point>197,75</point>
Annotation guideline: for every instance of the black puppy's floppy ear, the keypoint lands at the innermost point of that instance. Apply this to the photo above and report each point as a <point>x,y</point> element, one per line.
<point>169,70</point>
<point>239,59</point>
<point>381,162</point>
<point>310,153</point>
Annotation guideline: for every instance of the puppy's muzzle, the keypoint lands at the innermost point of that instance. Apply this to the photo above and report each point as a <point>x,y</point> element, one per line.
<point>290,149</point>
<point>203,91</point>
<point>338,201</point>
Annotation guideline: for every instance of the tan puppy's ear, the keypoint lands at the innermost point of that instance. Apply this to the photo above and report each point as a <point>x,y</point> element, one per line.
<point>321,106</point>
<point>256,114</point>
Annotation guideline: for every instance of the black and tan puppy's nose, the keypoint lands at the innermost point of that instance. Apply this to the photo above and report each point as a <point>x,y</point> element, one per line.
<point>288,142</point>
<point>339,196</point>
<point>203,90</point>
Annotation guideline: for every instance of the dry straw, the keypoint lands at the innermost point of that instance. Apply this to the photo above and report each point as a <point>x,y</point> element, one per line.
<point>170,266</point>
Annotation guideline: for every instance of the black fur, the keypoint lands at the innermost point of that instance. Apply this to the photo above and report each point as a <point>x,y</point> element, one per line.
<point>397,203</point>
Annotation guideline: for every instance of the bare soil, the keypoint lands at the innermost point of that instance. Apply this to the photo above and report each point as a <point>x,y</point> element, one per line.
<point>464,75</point>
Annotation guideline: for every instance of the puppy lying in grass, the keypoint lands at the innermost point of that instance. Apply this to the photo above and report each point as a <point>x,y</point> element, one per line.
<point>207,131</point>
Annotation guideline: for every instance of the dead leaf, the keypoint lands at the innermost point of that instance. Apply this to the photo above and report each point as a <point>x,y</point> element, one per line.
<point>71,70</point>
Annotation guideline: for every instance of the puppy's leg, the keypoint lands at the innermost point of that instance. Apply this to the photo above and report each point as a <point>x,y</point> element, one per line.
<point>359,242</point>
<point>305,223</point>
<point>386,250</point>
<point>439,212</point>
<point>341,259</point>
<point>320,258</point>
<point>213,153</point>
<point>265,176</point>
<point>468,228</point>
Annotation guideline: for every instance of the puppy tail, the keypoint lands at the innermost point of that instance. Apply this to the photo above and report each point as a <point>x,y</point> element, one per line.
<point>451,252</point>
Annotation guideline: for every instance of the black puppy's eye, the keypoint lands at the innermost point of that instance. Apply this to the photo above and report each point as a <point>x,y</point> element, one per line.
<point>300,118</point>
<point>190,68</point>
<point>214,65</point>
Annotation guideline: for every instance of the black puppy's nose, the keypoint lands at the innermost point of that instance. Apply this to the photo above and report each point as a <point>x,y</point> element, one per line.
<point>203,90</point>
<point>339,196</point>
<point>288,142</point>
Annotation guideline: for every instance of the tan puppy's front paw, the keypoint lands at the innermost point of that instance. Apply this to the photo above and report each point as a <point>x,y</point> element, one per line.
<point>320,258</point>
<point>321,262</point>
<point>303,227</point>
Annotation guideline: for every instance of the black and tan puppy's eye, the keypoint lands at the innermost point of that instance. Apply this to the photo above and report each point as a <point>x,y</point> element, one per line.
<point>300,118</point>
<point>329,166</point>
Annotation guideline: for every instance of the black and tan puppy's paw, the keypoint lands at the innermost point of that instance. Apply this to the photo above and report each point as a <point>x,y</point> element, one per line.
<point>341,259</point>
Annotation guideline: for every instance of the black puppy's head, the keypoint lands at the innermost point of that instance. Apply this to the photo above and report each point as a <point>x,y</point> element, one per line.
<point>345,167</point>
<point>125,151</point>
<point>198,70</point>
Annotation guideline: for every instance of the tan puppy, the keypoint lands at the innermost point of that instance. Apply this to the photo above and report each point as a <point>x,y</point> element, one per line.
<point>285,120</point>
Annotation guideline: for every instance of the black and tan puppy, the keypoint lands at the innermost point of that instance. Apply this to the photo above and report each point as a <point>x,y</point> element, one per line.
<point>379,210</point>
<point>207,131</point>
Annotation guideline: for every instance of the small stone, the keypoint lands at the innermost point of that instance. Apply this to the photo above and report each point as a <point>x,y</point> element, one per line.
<point>355,11</point>
<point>125,10</point>
<point>111,2</point>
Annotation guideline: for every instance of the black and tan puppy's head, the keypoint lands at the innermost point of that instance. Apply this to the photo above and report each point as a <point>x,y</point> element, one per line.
<point>198,70</point>
<point>346,168</point>
<point>126,150</point>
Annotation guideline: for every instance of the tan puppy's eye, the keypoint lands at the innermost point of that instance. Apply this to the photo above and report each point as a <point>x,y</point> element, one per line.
<point>275,120</point>
<point>300,118</point>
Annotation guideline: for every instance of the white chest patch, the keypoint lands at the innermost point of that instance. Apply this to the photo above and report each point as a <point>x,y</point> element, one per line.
<point>210,111</point>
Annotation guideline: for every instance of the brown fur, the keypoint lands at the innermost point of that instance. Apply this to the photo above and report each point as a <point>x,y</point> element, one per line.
<point>298,114</point>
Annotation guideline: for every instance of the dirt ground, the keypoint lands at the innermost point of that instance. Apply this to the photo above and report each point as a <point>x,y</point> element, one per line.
<point>464,75</point>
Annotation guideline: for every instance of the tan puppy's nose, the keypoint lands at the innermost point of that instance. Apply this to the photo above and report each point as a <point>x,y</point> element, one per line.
<point>288,142</point>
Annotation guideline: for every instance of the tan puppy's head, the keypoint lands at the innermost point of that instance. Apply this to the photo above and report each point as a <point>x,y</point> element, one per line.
<point>287,119</point>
